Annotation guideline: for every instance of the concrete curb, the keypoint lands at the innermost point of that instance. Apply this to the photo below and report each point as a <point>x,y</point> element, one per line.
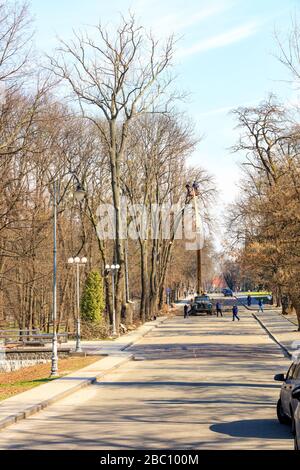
<point>288,319</point>
<point>29,410</point>
<point>145,330</point>
<point>273,337</point>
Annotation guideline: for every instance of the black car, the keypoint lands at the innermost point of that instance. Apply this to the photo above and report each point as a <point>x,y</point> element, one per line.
<point>227,292</point>
<point>287,404</point>
<point>296,421</point>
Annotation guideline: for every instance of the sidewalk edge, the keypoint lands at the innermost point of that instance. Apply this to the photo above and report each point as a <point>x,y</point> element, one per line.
<point>273,337</point>
<point>143,334</point>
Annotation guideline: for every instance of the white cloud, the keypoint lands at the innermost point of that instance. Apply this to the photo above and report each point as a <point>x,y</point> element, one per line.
<point>182,19</point>
<point>213,112</point>
<point>232,36</point>
<point>169,17</point>
<point>227,109</point>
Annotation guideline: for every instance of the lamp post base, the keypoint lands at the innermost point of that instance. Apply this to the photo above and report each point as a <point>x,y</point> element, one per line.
<point>54,358</point>
<point>78,348</point>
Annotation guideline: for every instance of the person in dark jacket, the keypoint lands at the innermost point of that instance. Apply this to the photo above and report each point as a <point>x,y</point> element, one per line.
<point>260,306</point>
<point>249,300</point>
<point>235,312</point>
<point>219,309</point>
<point>185,311</point>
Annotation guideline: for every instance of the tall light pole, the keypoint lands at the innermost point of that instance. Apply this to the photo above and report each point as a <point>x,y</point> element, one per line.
<point>113,269</point>
<point>199,272</point>
<point>126,271</point>
<point>77,262</point>
<point>79,195</point>
<point>193,192</point>
<point>54,356</point>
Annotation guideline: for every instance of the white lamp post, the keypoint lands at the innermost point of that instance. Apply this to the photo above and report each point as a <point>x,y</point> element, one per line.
<point>79,193</point>
<point>79,196</point>
<point>54,356</point>
<point>113,269</point>
<point>77,262</point>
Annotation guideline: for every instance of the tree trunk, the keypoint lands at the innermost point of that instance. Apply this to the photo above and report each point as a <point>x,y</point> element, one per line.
<point>144,282</point>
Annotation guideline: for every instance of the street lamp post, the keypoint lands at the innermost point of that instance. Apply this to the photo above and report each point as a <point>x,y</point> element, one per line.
<point>77,262</point>
<point>54,356</point>
<point>192,193</point>
<point>113,269</point>
<point>126,271</point>
<point>79,196</point>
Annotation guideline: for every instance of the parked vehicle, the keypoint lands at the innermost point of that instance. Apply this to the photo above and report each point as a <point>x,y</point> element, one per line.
<point>201,304</point>
<point>287,404</point>
<point>227,292</point>
<point>296,421</point>
<point>200,298</point>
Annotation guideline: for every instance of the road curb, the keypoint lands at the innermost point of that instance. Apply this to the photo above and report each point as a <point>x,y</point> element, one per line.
<point>273,337</point>
<point>33,409</point>
<point>147,330</point>
<point>288,319</point>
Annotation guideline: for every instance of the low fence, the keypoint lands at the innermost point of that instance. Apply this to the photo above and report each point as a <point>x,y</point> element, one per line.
<point>30,338</point>
<point>11,360</point>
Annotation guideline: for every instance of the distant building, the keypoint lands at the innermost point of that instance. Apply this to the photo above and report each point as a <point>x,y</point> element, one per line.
<point>218,282</point>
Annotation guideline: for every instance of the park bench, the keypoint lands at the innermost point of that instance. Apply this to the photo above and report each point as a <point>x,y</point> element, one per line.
<point>26,338</point>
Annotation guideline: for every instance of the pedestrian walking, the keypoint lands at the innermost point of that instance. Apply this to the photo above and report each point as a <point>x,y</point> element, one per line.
<point>235,312</point>
<point>185,311</point>
<point>249,300</point>
<point>260,306</point>
<point>219,309</point>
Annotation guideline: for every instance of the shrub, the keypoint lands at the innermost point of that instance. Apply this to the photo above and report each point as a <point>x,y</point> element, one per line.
<point>92,300</point>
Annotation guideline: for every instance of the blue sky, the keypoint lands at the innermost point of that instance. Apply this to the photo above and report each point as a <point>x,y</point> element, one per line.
<point>225,59</point>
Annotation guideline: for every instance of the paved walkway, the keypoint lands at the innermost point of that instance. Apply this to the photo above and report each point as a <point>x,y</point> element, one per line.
<point>203,383</point>
<point>281,328</point>
<point>109,347</point>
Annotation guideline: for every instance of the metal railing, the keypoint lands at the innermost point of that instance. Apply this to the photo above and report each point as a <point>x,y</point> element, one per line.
<point>25,337</point>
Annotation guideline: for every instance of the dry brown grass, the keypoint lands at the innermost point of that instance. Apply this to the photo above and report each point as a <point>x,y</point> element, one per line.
<point>12,383</point>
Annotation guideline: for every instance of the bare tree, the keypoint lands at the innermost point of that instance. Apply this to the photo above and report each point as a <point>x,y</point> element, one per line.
<point>290,50</point>
<point>117,77</point>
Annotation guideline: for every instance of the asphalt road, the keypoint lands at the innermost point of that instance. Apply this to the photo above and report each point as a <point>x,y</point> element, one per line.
<point>199,383</point>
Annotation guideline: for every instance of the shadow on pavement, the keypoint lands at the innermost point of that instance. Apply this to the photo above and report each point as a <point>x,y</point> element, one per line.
<point>161,383</point>
<point>258,428</point>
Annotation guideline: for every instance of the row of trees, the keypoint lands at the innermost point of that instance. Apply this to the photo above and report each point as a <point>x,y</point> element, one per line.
<point>265,221</point>
<point>100,111</point>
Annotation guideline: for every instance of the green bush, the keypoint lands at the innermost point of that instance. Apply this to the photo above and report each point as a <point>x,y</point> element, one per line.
<point>92,300</point>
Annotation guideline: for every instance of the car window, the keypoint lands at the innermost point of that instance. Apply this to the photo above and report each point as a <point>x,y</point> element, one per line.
<point>289,375</point>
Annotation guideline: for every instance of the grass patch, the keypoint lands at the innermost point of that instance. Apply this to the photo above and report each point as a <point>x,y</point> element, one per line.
<point>12,383</point>
<point>254,293</point>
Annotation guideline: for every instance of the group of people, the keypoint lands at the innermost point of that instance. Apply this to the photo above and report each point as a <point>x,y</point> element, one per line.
<point>219,309</point>
<point>260,304</point>
<point>235,311</point>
